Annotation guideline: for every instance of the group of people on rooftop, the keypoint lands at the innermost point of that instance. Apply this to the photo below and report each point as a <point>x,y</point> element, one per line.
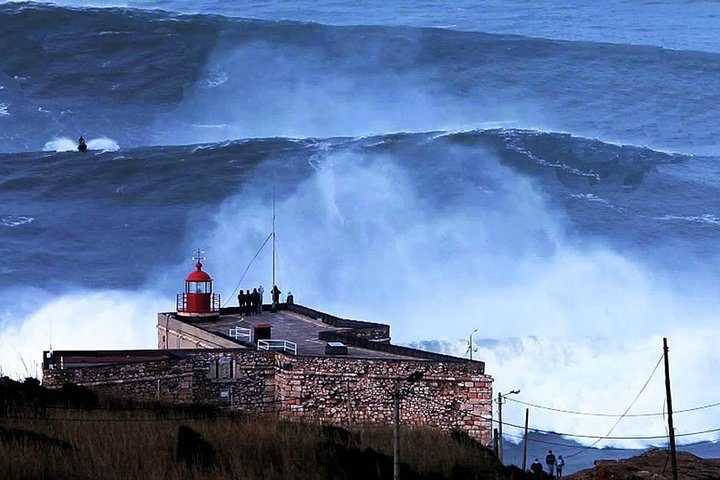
<point>251,303</point>
<point>554,465</point>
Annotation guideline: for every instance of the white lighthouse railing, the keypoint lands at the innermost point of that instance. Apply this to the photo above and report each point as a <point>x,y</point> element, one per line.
<point>282,345</point>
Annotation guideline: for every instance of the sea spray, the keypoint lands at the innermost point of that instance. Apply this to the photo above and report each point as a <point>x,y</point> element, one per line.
<point>64,144</point>
<point>82,319</point>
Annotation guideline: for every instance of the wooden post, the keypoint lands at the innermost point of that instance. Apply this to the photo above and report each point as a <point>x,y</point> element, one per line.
<point>396,443</point>
<point>671,428</point>
<point>500,424</point>
<point>525,440</point>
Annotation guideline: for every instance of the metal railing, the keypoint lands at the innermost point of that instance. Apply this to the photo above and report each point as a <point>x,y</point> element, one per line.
<point>181,302</point>
<point>282,345</point>
<point>240,333</point>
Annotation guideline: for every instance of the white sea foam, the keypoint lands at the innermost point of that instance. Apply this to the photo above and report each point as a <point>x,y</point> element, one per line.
<point>215,79</point>
<point>603,375</point>
<point>99,319</point>
<point>103,143</point>
<point>592,198</point>
<point>705,218</point>
<point>15,220</point>
<point>60,145</point>
<point>65,144</point>
<point>4,109</point>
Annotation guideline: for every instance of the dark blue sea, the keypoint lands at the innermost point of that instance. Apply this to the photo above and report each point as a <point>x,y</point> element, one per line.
<point>544,173</point>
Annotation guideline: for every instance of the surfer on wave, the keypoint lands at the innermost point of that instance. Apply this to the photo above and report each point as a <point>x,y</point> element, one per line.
<point>82,145</point>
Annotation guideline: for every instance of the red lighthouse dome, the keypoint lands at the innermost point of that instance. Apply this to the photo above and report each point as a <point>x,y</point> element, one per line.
<point>198,275</point>
<point>198,299</point>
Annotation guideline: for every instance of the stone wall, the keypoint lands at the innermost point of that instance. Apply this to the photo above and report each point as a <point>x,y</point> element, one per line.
<point>336,390</point>
<point>349,391</point>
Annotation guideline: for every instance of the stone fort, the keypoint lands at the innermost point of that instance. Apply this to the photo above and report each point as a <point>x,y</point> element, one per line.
<point>286,360</point>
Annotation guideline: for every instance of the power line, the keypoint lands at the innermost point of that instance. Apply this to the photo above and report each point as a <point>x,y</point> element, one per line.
<point>611,415</point>
<point>238,413</point>
<point>571,435</point>
<point>617,422</point>
<point>248,268</point>
<point>557,444</point>
<point>429,399</point>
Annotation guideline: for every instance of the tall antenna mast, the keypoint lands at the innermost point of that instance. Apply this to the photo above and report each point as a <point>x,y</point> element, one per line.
<point>273,239</point>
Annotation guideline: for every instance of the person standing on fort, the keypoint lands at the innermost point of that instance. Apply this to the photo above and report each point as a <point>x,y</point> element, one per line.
<point>261,290</point>
<point>276,295</point>
<point>550,462</point>
<point>248,302</point>
<point>536,467</point>
<point>256,304</point>
<point>241,301</point>
<point>559,464</point>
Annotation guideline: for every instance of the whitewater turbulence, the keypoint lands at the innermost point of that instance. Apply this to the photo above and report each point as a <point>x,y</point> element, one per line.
<point>68,145</point>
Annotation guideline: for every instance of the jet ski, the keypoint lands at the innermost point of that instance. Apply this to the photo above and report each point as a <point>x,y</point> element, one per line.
<point>82,146</point>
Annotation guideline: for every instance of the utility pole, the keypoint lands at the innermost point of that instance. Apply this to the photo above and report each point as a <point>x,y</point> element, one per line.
<point>527,415</point>
<point>671,429</point>
<point>525,440</point>
<point>413,377</point>
<point>495,441</point>
<point>500,423</point>
<point>396,443</point>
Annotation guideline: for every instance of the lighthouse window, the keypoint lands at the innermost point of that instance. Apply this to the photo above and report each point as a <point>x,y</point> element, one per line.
<point>198,287</point>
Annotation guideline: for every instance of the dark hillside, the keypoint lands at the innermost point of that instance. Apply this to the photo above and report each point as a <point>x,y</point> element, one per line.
<point>73,434</point>
<point>652,465</point>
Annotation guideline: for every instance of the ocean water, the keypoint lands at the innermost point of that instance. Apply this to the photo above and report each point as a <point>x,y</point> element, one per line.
<point>545,174</point>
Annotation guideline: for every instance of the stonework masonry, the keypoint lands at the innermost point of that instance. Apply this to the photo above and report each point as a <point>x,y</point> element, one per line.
<point>335,390</point>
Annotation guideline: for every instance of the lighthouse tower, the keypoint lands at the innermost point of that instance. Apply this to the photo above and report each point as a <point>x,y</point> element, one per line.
<point>198,299</point>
